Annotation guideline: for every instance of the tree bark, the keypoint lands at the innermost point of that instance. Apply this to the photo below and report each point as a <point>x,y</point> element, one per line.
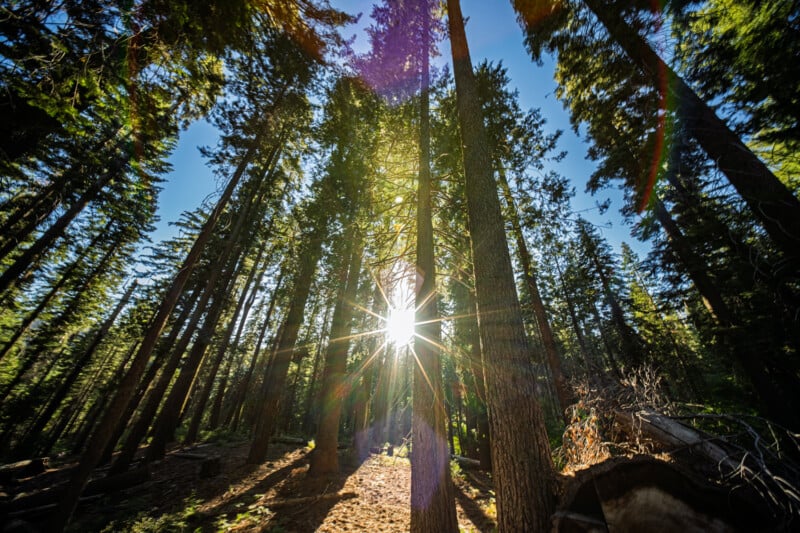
<point>521,459</point>
<point>563,393</point>
<point>205,394</point>
<point>240,393</point>
<point>272,389</point>
<point>432,502</point>
<point>335,387</point>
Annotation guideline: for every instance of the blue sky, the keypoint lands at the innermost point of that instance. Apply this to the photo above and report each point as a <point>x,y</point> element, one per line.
<point>493,34</point>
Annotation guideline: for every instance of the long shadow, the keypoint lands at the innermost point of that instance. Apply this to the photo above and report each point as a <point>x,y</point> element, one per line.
<point>171,494</point>
<point>315,499</point>
<point>474,512</point>
<point>251,495</point>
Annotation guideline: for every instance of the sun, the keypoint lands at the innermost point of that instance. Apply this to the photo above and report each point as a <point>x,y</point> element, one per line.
<point>400,326</point>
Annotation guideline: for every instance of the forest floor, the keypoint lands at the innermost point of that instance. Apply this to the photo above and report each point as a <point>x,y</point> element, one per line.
<point>277,496</point>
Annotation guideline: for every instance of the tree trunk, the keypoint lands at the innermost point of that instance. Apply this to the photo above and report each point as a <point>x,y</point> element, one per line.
<point>483,433</point>
<point>772,384</point>
<point>576,325</point>
<point>54,290</point>
<point>240,393</point>
<point>205,394</point>
<point>521,459</point>
<point>272,389</point>
<point>432,502</point>
<point>563,392</point>
<point>632,345</point>
<point>325,459</point>
<point>53,404</point>
<point>22,263</point>
<point>175,404</point>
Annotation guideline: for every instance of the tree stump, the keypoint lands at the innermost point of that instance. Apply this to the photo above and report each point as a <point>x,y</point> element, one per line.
<point>645,494</point>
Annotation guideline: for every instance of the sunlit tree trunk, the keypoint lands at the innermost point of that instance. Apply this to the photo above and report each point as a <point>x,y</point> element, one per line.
<point>432,504</point>
<point>522,467</point>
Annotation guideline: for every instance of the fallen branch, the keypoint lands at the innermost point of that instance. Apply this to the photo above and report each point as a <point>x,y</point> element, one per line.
<point>190,455</point>
<point>466,463</point>
<point>45,509</point>
<point>666,431</point>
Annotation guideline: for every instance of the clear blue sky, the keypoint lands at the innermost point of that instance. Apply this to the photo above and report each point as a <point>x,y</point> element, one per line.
<point>493,34</point>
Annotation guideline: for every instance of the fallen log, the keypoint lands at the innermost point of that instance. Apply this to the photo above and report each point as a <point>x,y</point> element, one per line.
<point>666,431</point>
<point>22,469</point>
<point>289,440</point>
<point>100,486</point>
<point>44,509</point>
<point>189,455</point>
<point>466,463</point>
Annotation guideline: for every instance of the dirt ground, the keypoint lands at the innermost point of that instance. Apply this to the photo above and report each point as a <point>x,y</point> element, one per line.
<point>277,496</point>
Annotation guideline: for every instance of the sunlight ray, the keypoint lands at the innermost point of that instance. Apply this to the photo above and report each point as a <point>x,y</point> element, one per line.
<point>439,345</point>
<point>366,362</point>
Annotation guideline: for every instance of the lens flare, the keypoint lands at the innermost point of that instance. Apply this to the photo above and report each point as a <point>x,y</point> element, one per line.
<point>400,326</point>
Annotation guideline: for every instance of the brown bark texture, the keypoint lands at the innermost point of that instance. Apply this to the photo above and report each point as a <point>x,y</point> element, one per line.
<point>521,462</point>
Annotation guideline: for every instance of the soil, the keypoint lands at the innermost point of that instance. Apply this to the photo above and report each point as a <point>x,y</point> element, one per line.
<point>276,496</point>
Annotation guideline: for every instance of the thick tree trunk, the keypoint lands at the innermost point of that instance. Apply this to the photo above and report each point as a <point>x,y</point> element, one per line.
<point>335,387</point>
<point>362,440</point>
<point>432,502</point>
<point>521,460</point>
